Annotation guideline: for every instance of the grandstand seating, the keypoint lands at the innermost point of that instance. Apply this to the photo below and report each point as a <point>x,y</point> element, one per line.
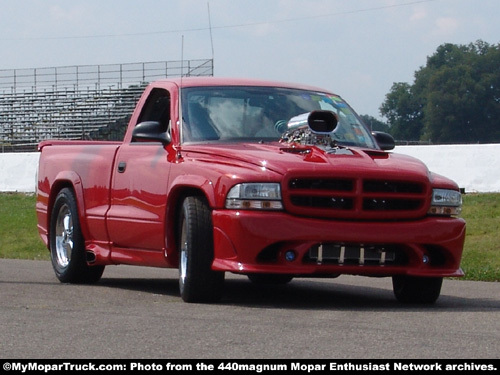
<point>79,102</point>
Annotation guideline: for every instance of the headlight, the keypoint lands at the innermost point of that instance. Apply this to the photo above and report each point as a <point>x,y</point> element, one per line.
<point>255,196</point>
<point>445,202</point>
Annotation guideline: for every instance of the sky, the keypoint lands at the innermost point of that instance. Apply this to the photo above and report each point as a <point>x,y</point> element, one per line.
<point>355,48</point>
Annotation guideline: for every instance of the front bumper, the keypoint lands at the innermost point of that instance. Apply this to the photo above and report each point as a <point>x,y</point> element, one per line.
<point>256,242</point>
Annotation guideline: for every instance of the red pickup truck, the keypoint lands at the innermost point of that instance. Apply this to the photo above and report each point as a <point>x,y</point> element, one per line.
<point>269,180</point>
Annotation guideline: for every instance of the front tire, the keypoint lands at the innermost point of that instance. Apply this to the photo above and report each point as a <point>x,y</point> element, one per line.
<point>423,290</point>
<point>67,245</point>
<point>197,281</point>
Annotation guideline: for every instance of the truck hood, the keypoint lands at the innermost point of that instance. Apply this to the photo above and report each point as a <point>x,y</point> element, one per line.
<point>311,160</point>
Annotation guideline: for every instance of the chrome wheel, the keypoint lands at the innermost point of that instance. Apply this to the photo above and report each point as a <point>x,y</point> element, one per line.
<point>183,261</point>
<point>64,236</point>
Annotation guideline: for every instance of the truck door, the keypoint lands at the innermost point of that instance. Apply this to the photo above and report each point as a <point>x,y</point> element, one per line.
<point>136,216</point>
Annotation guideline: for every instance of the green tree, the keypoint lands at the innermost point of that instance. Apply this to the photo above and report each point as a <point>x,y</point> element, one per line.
<point>374,124</point>
<point>403,110</point>
<point>455,98</point>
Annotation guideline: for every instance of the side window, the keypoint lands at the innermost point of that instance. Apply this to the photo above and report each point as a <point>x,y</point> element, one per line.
<point>157,108</point>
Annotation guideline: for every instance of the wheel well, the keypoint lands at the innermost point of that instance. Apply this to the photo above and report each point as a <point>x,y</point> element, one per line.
<point>56,188</point>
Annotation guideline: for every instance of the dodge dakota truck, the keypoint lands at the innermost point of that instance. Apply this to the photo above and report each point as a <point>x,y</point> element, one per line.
<point>269,180</point>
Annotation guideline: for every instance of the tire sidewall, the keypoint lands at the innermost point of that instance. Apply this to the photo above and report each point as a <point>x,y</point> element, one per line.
<point>201,283</point>
<point>70,272</point>
<point>419,290</point>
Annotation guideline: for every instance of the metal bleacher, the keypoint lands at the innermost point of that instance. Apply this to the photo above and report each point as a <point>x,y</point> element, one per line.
<point>92,102</point>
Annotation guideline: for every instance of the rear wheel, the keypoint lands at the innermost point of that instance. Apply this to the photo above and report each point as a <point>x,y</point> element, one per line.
<point>410,289</point>
<point>197,281</point>
<point>67,246</point>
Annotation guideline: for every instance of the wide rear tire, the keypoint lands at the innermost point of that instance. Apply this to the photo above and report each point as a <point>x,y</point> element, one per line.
<point>67,245</point>
<point>423,290</point>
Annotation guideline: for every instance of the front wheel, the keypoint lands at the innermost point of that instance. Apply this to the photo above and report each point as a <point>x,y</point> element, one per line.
<point>197,281</point>
<point>410,289</point>
<point>67,246</point>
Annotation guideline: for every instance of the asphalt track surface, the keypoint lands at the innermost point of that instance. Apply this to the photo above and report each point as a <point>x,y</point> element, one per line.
<point>136,312</point>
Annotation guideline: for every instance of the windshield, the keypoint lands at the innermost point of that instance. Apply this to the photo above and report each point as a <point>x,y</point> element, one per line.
<point>235,113</point>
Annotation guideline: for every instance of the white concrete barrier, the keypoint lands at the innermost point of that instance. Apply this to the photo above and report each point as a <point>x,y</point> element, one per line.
<point>476,168</point>
<point>18,172</point>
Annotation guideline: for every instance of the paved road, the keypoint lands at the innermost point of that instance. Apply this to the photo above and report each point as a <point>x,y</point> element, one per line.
<point>136,312</point>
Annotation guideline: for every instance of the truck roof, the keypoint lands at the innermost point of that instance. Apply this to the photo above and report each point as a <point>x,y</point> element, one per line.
<point>218,81</point>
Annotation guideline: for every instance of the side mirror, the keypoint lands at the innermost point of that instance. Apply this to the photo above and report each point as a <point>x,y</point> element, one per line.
<point>384,140</point>
<point>150,131</point>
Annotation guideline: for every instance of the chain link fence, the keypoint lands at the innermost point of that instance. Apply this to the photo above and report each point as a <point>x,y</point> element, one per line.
<point>92,102</point>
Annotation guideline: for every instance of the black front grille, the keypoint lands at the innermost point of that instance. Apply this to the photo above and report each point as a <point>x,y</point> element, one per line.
<point>385,204</point>
<point>356,198</point>
<point>337,203</point>
<point>322,184</point>
<point>384,186</point>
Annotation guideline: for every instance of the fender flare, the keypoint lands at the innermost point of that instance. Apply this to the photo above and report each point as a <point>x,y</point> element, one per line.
<point>182,186</point>
<point>69,179</point>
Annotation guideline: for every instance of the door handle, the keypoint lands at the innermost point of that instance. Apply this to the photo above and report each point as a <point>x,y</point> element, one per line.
<point>122,166</point>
